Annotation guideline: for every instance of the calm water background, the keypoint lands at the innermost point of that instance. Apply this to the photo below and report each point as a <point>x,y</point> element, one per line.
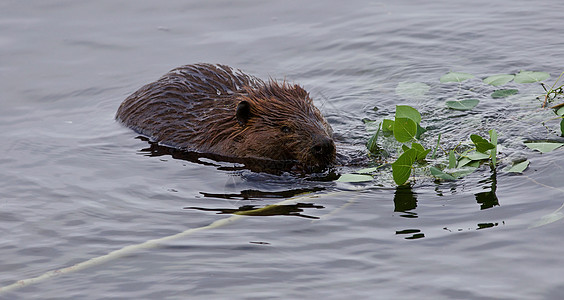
<point>74,184</point>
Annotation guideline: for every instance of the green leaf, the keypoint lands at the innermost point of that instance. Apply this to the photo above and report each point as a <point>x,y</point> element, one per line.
<point>466,162</point>
<point>560,111</point>
<point>530,77</point>
<point>544,147</point>
<point>463,161</point>
<point>405,111</point>
<point>493,141</point>
<point>388,125</point>
<point>440,174</point>
<point>518,167</point>
<point>420,131</point>
<point>455,77</point>
<point>404,129</point>
<point>477,156</point>
<point>504,93</point>
<point>367,170</point>
<point>421,152</point>
<point>482,145</point>
<point>451,159</point>
<point>461,172</point>
<point>493,136</point>
<point>412,89</point>
<point>372,144</point>
<point>466,104</point>
<point>401,168</point>
<point>355,178</point>
<point>562,127</point>
<point>474,164</point>
<point>423,155</point>
<point>417,147</point>
<point>500,79</point>
<point>437,147</point>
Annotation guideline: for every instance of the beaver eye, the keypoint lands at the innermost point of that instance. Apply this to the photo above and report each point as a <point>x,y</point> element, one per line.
<point>286,129</point>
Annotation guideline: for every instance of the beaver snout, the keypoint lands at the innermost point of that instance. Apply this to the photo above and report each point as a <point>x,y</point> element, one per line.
<point>324,147</point>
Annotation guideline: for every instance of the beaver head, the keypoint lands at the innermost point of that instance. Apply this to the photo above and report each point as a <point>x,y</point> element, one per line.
<point>278,121</point>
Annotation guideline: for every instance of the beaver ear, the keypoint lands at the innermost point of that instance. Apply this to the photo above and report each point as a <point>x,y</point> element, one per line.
<point>243,112</point>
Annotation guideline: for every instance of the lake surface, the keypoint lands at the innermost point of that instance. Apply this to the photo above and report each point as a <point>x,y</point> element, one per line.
<point>76,185</point>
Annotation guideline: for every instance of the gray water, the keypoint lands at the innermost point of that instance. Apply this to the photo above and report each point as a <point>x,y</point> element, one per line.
<point>75,185</point>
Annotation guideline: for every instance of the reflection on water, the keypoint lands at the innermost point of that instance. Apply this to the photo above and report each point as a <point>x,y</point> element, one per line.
<point>478,226</point>
<point>488,199</point>
<point>405,199</point>
<point>486,225</point>
<point>156,150</point>
<point>405,202</point>
<point>225,163</point>
<point>256,194</point>
<point>414,234</point>
<point>269,210</point>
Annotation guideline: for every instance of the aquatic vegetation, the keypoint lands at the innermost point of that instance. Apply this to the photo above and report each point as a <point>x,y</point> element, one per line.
<point>355,178</point>
<point>404,132</point>
<point>553,93</point>
<point>544,147</point>
<point>504,93</point>
<point>466,104</point>
<point>499,79</point>
<point>455,77</point>
<point>518,167</point>
<point>530,77</point>
<point>409,90</point>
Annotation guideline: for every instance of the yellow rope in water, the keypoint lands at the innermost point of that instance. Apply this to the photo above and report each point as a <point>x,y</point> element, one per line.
<point>113,255</point>
<point>129,249</point>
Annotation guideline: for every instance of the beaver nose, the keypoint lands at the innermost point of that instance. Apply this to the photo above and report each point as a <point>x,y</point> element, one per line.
<point>323,147</point>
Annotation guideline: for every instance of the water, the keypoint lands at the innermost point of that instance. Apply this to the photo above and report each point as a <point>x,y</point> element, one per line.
<point>75,185</point>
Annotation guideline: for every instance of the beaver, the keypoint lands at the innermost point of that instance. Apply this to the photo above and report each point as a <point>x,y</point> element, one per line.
<point>215,109</point>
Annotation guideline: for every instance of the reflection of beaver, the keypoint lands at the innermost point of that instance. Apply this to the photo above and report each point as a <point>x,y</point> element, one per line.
<point>215,109</point>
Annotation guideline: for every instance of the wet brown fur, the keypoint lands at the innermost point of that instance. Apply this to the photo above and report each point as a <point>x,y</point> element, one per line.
<point>195,108</point>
